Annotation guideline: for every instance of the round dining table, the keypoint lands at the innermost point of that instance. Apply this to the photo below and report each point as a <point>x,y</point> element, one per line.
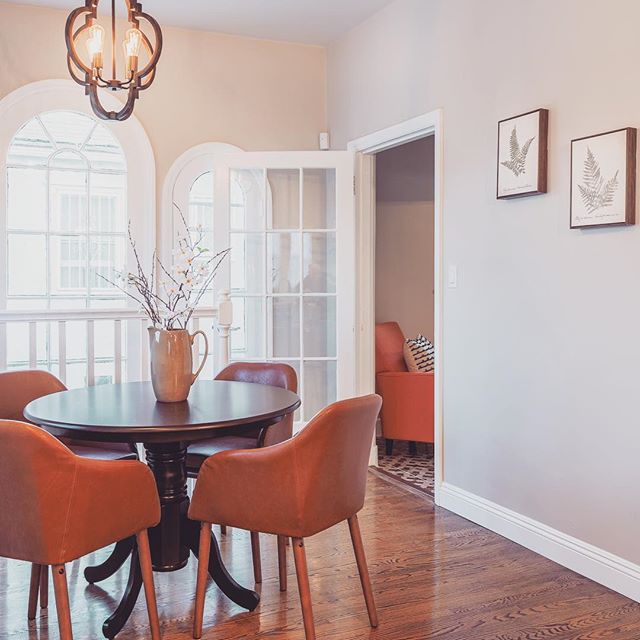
<point>130,413</point>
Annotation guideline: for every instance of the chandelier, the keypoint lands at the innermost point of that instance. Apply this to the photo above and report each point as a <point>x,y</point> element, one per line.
<point>90,72</point>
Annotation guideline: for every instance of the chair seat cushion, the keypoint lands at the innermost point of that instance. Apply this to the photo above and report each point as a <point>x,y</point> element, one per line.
<point>199,451</point>
<point>103,451</point>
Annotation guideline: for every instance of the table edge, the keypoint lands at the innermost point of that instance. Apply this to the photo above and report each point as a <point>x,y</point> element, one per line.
<point>150,428</point>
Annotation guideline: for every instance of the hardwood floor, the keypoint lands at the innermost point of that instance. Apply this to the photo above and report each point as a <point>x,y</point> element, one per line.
<point>434,575</point>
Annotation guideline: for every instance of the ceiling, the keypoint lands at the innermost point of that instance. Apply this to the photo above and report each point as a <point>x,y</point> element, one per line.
<point>308,21</point>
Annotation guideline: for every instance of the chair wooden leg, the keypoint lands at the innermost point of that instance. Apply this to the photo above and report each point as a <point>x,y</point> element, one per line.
<point>282,561</point>
<point>44,587</point>
<point>203,572</point>
<point>389,447</point>
<point>302,574</point>
<point>223,529</point>
<point>255,554</point>
<point>144,555</point>
<point>62,601</point>
<point>34,588</point>
<point>356,538</point>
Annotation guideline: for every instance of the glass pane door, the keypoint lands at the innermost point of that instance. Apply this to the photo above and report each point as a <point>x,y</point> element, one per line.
<point>283,272</point>
<point>288,218</point>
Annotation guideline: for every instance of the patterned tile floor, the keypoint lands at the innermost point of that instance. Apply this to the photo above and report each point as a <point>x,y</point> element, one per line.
<point>415,471</point>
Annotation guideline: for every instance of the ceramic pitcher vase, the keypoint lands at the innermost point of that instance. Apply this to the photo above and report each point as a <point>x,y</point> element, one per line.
<point>172,362</point>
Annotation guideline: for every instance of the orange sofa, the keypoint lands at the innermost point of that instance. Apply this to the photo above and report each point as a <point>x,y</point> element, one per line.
<point>407,407</point>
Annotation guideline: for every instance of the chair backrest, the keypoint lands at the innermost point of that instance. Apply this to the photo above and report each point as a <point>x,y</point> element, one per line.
<point>36,475</point>
<point>389,348</point>
<point>332,458</point>
<point>276,374</point>
<point>19,388</point>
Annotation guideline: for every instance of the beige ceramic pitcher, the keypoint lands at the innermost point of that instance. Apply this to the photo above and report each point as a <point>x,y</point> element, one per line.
<point>172,362</point>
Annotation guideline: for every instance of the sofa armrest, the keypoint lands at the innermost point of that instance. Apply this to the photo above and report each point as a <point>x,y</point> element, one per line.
<point>410,379</point>
<point>407,405</point>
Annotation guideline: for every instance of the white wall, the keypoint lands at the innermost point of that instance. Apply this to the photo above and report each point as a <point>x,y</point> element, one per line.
<point>404,237</point>
<point>541,344</point>
<point>257,94</point>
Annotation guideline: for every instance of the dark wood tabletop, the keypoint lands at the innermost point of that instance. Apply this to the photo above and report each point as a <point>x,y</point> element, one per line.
<point>129,412</point>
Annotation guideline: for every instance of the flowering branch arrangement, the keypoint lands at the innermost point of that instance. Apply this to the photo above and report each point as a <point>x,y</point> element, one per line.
<point>169,296</point>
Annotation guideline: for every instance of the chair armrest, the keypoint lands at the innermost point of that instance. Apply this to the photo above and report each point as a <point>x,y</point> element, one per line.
<point>253,489</point>
<point>279,431</point>
<point>110,500</point>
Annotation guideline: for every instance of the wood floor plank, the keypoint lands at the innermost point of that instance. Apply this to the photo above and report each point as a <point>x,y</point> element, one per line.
<point>434,575</point>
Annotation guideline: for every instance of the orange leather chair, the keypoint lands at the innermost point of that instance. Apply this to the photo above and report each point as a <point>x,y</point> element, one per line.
<point>17,390</point>
<point>53,505</point>
<point>407,409</point>
<point>324,471</point>
<point>276,375</point>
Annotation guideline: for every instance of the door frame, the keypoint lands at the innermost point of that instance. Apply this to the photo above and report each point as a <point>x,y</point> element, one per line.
<point>365,149</point>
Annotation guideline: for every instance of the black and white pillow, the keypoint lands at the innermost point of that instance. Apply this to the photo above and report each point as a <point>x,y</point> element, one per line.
<point>419,354</point>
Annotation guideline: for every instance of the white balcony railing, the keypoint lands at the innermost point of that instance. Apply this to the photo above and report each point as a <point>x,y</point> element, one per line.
<point>48,339</point>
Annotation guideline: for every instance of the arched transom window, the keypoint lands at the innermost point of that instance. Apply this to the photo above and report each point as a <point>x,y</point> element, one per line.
<point>66,220</point>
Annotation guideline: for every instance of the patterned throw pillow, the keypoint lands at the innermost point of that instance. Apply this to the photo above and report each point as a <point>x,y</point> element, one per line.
<point>418,354</point>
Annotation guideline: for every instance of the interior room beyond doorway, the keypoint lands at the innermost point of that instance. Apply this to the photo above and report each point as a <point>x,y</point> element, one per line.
<point>404,308</point>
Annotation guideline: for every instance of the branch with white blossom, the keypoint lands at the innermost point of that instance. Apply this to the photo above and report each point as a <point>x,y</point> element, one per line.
<point>169,297</point>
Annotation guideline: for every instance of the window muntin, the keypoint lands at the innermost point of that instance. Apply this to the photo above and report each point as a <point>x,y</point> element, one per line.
<point>66,213</point>
<point>283,275</point>
<point>66,225</point>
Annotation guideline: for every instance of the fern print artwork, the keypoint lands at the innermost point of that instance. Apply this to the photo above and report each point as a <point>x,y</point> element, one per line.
<point>603,175</point>
<point>522,155</point>
<point>595,192</point>
<point>518,159</point>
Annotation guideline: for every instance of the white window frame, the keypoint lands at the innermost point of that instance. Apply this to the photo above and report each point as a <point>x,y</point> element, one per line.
<point>23,104</point>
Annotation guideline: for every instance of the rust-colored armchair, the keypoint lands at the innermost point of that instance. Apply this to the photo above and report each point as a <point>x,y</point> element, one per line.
<point>17,390</point>
<point>276,374</point>
<point>324,469</point>
<point>53,505</point>
<point>407,409</point>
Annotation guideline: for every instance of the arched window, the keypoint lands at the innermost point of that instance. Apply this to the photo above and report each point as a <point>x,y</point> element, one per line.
<point>70,187</point>
<point>66,219</point>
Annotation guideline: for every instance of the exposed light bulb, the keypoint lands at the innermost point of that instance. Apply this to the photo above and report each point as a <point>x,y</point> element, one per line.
<point>131,44</point>
<point>95,45</point>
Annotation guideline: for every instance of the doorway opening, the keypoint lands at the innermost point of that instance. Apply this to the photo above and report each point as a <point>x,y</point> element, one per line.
<point>404,311</point>
<point>399,185</point>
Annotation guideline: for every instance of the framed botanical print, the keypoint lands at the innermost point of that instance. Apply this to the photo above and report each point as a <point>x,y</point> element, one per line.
<point>522,155</point>
<point>603,179</point>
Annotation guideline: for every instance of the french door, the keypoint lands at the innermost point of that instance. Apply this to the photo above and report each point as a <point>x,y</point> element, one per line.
<point>288,218</point>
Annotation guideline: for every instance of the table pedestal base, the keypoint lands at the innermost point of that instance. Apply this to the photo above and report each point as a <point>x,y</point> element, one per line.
<point>118,557</point>
<point>172,540</point>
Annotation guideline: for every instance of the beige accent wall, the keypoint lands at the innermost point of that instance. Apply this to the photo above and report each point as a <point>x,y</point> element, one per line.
<point>256,94</point>
<point>541,343</point>
<point>404,237</point>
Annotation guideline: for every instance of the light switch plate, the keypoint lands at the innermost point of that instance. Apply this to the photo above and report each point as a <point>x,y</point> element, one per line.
<point>452,279</point>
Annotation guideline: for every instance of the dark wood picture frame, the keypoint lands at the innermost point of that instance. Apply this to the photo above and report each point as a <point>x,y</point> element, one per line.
<point>630,171</point>
<point>543,154</point>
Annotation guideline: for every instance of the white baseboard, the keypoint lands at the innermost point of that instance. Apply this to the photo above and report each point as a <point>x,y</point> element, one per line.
<point>601,566</point>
